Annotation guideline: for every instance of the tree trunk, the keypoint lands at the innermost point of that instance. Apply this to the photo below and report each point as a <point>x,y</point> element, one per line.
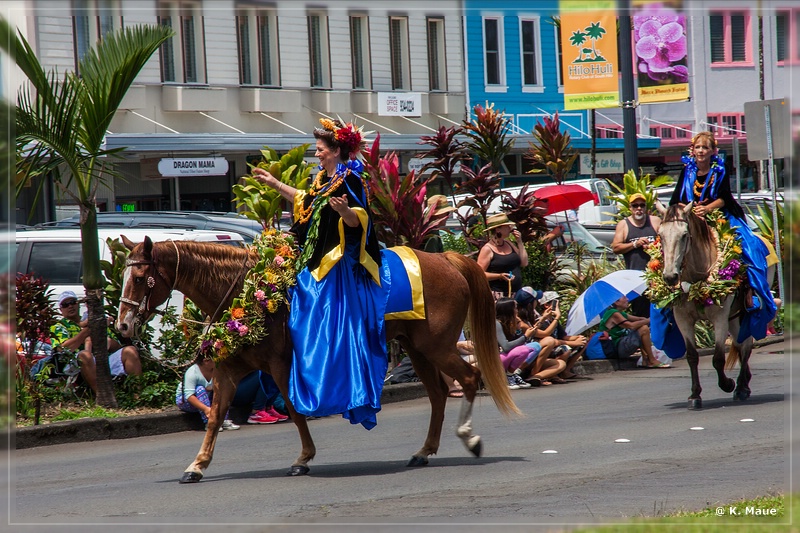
<point>94,282</point>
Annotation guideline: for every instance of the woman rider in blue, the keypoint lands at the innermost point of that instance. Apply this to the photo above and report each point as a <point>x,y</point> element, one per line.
<point>705,182</point>
<point>336,320</point>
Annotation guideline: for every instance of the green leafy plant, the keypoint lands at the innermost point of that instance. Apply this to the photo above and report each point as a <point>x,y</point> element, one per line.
<point>263,203</point>
<point>487,136</point>
<point>765,223</point>
<point>552,152</point>
<point>646,185</point>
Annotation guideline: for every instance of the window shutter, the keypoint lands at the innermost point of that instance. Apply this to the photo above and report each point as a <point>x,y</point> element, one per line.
<point>780,37</point>
<point>396,38</point>
<point>243,34</point>
<point>738,38</point>
<point>492,52</point>
<point>433,55</point>
<point>717,39</point>
<point>189,51</point>
<point>265,57</point>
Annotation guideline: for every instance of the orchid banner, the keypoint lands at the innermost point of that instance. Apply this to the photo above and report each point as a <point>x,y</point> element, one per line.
<point>589,44</point>
<point>659,36</point>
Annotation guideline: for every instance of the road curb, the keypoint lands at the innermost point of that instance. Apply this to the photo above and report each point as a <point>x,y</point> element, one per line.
<point>173,420</point>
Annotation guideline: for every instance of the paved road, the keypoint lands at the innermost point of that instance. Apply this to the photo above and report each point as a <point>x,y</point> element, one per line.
<point>360,475</point>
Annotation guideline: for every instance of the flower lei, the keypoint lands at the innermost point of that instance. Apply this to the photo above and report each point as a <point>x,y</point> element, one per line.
<point>726,274</point>
<point>265,290</point>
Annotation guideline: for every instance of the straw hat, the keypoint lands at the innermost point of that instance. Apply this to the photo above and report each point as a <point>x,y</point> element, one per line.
<point>549,296</point>
<point>495,221</point>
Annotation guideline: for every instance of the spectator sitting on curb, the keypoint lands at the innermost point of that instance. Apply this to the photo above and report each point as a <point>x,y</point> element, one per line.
<point>630,333</point>
<point>568,348</point>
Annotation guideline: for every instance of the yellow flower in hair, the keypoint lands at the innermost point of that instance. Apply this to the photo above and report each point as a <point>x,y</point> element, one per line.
<point>328,124</point>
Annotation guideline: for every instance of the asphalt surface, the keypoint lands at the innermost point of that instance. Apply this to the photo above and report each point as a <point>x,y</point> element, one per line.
<point>174,420</point>
<point>359,478</point>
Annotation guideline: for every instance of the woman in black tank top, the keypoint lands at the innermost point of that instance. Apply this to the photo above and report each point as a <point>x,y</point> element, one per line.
<point>502,260</point>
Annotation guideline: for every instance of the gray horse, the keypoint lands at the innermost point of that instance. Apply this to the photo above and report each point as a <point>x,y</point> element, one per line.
<point>690,251</point>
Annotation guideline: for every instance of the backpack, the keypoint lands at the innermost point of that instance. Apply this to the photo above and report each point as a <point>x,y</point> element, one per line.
<point>600,346</point>
<point>402,373</point>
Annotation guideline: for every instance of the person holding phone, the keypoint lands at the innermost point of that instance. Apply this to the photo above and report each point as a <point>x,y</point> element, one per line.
<point>568,348</point>
<point>501,259</point>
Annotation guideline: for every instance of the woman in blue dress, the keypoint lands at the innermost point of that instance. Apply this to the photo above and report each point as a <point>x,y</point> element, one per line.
<point>336,320</point>
<point>705,182</point>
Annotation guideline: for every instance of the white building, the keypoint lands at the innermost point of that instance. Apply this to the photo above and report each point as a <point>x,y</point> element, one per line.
<point>241,75</point>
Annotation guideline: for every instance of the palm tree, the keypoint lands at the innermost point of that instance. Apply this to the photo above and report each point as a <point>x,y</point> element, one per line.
<point>61,123</point>
<point>577,39</point>
<point>594,31</point>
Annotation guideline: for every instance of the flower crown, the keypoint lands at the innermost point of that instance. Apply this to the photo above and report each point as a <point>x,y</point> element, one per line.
<point>349,136</point>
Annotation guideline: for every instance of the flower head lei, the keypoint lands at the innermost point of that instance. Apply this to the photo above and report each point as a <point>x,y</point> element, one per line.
<point>724,276</point>
<point>348,136</point>
<point>264,292</point>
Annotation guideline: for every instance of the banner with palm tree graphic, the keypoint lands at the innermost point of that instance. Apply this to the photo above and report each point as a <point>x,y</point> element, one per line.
<point>589,44</point>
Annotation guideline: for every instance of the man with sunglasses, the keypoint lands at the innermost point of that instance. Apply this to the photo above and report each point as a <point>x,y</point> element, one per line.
<point>633,233</point>
<point>70,334</point>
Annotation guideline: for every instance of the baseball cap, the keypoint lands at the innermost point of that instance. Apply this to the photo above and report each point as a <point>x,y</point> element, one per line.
<point>636,196</point>
<point>66,295</point>
<point>526,295</point>
<point>549,296</point>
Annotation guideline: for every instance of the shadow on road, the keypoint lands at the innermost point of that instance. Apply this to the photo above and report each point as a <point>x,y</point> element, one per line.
<point>363,468</point>
<point>717,403</point>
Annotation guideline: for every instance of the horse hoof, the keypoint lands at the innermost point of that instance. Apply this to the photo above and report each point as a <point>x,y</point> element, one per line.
<point>728,386</point>
<point>417,461</point>
<point>191,477</point>
<point>476,448</point>
<point>298,470</point>
<point>741,395</point>
<point>695,404</point>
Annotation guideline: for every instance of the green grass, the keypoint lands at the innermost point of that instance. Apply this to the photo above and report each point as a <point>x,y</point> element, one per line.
<point>707,520</point>
<point>74,414</point>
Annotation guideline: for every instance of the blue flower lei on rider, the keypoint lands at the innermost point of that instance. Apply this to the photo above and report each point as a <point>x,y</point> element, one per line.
<point>713,179</point>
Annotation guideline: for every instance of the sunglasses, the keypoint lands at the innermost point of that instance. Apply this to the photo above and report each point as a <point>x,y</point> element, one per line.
<point>67,303</point>
<point>638,206</point>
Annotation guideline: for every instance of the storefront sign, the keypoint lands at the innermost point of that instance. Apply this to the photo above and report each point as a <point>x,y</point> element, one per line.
<point>416,164</point>
<point>400,104</point>
<point>605,163</point>
<point>589,41</point>
<point>200,166</point>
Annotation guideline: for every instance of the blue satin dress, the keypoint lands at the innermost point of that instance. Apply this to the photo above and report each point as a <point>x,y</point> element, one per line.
<point>336,319</point>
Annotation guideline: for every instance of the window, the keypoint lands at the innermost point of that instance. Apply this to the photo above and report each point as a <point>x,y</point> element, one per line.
<point>529,50</point>
<point>359,46</point>
<point>730,38</point>
<point>91,21</point>
<point>609,131</point>
<point>559,57</point>
<point>57,262</point>
<point>257,37</point>
<point>183,55</point>
<point>494,61</point>
<point>437,74</point>
<point>727,124</point>
<point>787,42</point>
<point>319,54</point>
<point>398,51</point>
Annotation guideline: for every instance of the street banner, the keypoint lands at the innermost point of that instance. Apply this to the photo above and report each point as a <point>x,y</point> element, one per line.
<point>660,51</point>
<point>589,44</point>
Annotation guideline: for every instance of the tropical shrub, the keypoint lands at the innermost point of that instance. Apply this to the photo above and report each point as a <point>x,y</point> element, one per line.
<point>551,153</point>
<point>645,185</point>
<point>487,136</point>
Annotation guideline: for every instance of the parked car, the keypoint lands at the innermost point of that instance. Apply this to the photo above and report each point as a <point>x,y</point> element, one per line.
<point>575,232</point>
<point>205,220</point>
<point>55,254</point>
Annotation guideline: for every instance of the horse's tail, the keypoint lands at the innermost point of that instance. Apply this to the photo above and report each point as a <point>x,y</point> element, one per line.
<point>484,335</point>
<point>733,357</point>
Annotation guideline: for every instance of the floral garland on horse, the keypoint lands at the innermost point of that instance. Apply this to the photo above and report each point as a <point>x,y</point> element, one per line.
<point>724,277</point>
<point>265,289</point>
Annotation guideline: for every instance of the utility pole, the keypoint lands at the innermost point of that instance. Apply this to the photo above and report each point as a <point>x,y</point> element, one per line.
<point>627,92</point>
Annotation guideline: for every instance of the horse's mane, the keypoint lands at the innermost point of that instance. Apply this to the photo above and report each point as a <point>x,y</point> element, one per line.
<point>206,264</point>
<point>697,227</point>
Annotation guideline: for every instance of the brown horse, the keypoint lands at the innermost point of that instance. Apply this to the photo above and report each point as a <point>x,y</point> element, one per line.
<point>690,251</point>
<point>211,276</point>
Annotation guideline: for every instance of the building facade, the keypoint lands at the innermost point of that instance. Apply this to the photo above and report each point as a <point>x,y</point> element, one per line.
<point>241,75</point>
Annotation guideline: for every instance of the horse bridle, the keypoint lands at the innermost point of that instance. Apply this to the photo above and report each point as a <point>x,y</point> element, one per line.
<point>143,306</point>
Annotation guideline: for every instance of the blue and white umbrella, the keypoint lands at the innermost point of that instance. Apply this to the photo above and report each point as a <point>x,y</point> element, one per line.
<point>589,307</point>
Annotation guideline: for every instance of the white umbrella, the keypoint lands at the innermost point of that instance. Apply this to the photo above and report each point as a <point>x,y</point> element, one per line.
<point>589,307</point>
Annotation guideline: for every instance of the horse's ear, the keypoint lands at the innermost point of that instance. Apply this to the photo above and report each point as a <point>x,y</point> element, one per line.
<point>688,209</point>
<point>127,242</point>
<point>148,245</point>
<point>660,208</point>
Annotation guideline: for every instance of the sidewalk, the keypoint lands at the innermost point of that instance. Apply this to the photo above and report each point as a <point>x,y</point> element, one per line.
<point>174,420</point>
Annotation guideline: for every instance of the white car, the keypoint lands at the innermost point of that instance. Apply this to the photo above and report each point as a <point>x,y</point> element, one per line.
<point>55,254</point>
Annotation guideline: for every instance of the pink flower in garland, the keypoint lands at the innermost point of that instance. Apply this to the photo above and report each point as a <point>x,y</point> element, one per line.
<point>278,260</point>
<point>243,330</point>
<point>260,295</point>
